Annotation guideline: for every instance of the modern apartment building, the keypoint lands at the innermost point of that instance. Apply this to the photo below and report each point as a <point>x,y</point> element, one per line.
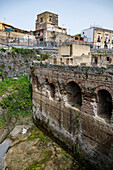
<point>47,29</point>
<point>100,37</point>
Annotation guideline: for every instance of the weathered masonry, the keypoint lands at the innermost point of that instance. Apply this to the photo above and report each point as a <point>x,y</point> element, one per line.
<point>76,105</point>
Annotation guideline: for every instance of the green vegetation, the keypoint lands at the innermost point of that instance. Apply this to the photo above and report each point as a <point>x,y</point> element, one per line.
<point>35,166</point>
<point>43,57</point>
<point>40,165</point>
<point>17,99</point>
<point>0,74</point>
<point>22,50</point>
<point>39,135</point>
<point>102,52</point>
<point>18,50</point>
<point>78,35</point>
<point>2,49</point>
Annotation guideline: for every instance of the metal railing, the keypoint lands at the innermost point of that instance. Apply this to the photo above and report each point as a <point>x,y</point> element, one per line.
<point>27,42</point>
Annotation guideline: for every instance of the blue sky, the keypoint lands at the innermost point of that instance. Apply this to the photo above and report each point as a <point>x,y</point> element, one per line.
<point>75,15</point>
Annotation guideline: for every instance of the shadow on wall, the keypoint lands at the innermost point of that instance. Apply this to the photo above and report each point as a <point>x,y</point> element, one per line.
<point>104,104</point>
<point>74,95</point>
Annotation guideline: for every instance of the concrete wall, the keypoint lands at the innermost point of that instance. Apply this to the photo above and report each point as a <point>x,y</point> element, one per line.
<point>78,126</point>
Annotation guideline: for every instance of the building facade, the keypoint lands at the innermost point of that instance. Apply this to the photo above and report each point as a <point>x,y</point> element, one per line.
<point>101,59</point>
<point>73,54</point>
<point>47,28</point>
<point>100,37</point>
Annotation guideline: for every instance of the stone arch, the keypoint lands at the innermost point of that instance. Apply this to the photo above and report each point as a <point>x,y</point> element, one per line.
<point>104,103</point>
<point>77,82</point>
<point>104,88</point>
<point>74,95</point>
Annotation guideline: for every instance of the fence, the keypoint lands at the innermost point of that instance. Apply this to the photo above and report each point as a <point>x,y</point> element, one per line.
<point>27,42</point>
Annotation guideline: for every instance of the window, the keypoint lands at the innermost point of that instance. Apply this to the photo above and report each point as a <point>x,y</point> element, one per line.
<point>50,18</point>
<point>95,60</point>
<point>107,38</point>
<point>67,61</point>
<point>108,59</point>
<point>60,60</point>
<point>71,61</point>
<point>98,37</point>
<point>41,19</point>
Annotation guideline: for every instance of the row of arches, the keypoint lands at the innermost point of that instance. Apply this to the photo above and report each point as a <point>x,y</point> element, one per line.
<point>103,100</point>
<point>74,98</point>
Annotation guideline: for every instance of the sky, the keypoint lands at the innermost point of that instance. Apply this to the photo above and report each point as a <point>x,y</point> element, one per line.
<point>75,15</point>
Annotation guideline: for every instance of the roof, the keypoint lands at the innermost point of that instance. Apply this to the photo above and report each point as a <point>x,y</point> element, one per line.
<point>99,28</point>
<point>47,12</point>
<point>4,23</point>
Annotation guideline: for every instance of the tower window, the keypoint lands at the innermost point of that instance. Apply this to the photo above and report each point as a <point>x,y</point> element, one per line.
<point>41,19</point>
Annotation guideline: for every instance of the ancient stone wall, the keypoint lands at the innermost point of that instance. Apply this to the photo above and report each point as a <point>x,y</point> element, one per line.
<point>75,105</point>
<point>14,64</point>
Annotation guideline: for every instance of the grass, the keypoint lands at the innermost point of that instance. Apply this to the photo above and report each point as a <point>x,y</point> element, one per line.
<point>17,100</point>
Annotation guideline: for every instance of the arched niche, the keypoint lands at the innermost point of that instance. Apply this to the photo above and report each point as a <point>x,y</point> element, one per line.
<point>52,90</point>
<point>74,95</point>
<point>104,104</point>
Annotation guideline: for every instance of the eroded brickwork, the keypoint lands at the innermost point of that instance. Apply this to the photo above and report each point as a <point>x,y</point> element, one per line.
<point>69,101</point>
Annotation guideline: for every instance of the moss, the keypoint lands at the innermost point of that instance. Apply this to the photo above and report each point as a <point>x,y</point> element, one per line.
<point>64,153</point>
<point>40,165</point>
<point>32,68</point>
<point>40,135</point>
<point>3,66</point>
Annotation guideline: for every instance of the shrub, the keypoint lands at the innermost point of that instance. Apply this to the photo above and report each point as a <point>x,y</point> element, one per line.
<point>0,73</point>
<point>2,49</point>
<point>19,101</point>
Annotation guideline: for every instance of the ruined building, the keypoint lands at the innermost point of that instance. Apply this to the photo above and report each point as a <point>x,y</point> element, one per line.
<point>47,28</point>
<point>101,59</point>
<point>75,105</point>
<point>80,54</point>
<point>73,54</point>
